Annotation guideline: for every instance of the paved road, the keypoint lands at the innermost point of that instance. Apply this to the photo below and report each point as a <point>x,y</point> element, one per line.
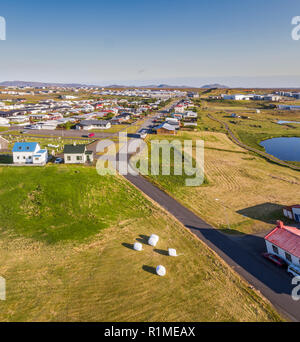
<point>272,282</point>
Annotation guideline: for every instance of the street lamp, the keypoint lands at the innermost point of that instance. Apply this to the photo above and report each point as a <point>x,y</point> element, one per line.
<point>225,211</point>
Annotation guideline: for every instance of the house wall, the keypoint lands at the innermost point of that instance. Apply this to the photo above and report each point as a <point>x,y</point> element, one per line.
<point>3,144</point>
<point>41,160</point>
<point>296,212</point>
<point>23,157</point>
<point>288,214</point>
<point>281,253</point>
<point>73,158</point>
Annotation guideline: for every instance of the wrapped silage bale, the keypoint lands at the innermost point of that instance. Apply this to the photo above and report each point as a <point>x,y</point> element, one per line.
<point>161,271</point>
<point>172,252</point>
<point>153,240</point>
<point>138,246</point>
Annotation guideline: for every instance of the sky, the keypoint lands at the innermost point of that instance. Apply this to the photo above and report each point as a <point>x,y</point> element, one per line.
<point>178,42</point>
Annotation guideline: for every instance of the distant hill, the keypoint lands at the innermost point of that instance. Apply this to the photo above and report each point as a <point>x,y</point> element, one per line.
<point>214,86</point>
<point>42,84</point>
<point>117,86</point>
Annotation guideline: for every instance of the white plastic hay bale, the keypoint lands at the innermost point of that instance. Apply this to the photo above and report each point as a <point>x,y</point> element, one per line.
<point>154,236</point>
<point>161,271</point>
<point>172,252</point>
<point>138,246</point>
<point>152,242</point>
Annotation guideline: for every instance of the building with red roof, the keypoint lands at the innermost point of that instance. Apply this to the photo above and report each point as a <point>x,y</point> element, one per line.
<point>284,241</point>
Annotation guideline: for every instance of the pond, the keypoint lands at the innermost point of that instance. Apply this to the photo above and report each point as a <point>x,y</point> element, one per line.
<point>283,148</point>
<point>283,122</point>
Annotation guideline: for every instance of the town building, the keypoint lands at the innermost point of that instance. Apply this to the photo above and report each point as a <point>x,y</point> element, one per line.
<point>29,153</point>
<point>284,241</point>
<point>292,212</point>
<point>93,124</point>
<point>3,143</point>
<point>77,154</point>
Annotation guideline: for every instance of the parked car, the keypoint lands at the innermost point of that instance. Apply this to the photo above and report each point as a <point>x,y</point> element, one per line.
<point>58,161</point>
<point>275,259</point>
<point>293,271</point>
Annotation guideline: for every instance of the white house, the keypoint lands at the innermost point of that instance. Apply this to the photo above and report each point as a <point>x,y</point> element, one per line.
<point>236,97</point>
<point>77,154</point>
<point>3,143</point>
<point>4,122</point>
<point>29,153</point>
<point>179,108</point>
<point>285,242</point>
<point>93,124</point>
<point>292,212</point>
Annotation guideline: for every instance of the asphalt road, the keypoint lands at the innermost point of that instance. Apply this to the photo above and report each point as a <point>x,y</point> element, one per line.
<point>242,254</point>
<point>273,283</point>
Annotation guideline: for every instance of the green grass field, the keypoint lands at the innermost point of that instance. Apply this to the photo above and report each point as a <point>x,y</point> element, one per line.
<point>66,238</point>
<point>251,191</point>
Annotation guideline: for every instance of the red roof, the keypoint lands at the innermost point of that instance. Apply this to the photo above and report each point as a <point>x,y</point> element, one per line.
<point>290,207</point>
<point>286,238</point>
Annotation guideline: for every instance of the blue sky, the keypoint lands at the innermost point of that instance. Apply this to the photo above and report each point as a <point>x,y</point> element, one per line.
<point>163,41</point>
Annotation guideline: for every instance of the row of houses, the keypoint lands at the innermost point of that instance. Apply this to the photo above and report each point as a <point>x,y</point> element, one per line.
<point>32,153</point>
<point>247,97</point>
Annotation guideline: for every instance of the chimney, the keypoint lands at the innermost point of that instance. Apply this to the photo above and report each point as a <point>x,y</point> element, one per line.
<point>280,224</point>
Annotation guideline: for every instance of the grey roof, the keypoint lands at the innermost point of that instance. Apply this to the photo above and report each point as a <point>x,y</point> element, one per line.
<point>74,149</point>
<point>94,122</point>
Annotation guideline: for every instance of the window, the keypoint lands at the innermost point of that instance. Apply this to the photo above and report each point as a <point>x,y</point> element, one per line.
<point>275,249</point>
<point>79,158</point>
<point>29,157</point>
<point>288,256</point>
<point>69,158</point>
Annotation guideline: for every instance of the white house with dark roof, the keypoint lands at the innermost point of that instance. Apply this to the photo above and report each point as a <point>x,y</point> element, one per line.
<point>77,154</point>
<point>29,153</point>
<point>93,124</point>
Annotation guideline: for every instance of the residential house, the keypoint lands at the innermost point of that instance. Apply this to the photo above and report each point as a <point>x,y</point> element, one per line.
<point>292,212</point>
<point>120,118</point>
<point>165,128</point>
<point>93,124</point>
<point>77,154</point>
<point>4,122</point>
<point>29,153</point>
<point>3,143</point>
<point>284,241</point>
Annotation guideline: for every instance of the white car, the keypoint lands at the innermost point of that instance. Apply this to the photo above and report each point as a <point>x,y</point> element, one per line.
<point>293,271</point>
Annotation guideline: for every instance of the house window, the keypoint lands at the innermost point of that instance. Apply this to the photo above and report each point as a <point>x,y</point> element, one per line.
<point>68,158</point>
<point>79,158</point>
<point>29,157</point>
<point>24,157</point>
<point>288,257</point>
<point>18,158</point>
<point>275,249</point>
